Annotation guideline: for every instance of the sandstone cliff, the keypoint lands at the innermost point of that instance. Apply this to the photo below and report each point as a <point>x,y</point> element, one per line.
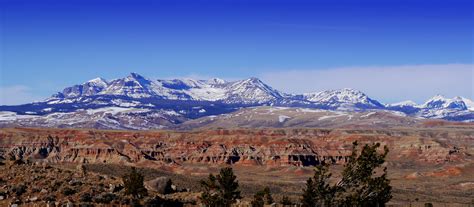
<point>269,147</point>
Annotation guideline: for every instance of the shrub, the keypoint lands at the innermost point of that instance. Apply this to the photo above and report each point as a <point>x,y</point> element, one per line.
<point>19,189</point>
<point>133,184</point>
<point>286,201</point>
<point>49,198</point>
<point>168,187</point>
<point>258,199</point>
<point>262,197</point>
<point>68,191</point>
<point>105,198</point>
<point>85,197</point>
<point>158,201</point>
<point>57,184</point>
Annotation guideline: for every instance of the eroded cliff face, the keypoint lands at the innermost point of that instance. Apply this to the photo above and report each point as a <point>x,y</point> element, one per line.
<point>269,147</point>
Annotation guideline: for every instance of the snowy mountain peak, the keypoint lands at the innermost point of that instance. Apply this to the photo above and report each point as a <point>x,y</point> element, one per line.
<point>343,98</point>
<point>215,81</point>
<point>255,82</point>
<point>135,77</point>
<point>251,90</point>
<point>134,85</point>
<point>440,102</point>
<point>254,79</point>
<point>98,82</point>
<point>346,95</point>
<point>457,98</point>
<point>437,97</point>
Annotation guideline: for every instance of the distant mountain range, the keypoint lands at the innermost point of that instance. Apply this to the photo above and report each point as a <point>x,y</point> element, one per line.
<point>136,102</point>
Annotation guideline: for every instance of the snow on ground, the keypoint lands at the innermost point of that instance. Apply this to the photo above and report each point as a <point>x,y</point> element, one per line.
<point>61,101</point>
<point>306,110</point>
<point>368,114</point>
<point>397,113</point>
<point>47,109</point>
<point>122,103</point>
<point>283,118</point>
<point>114,110</point>
<point>12,116</point>
<point>273,109</point>
<point>337,114</point>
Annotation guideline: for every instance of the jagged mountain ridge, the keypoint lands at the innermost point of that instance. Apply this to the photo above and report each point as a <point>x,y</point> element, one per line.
<point>188,99</point>
<point>249,91</point>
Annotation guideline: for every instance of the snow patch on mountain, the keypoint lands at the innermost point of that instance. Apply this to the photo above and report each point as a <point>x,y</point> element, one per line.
<point>469,103</point>
<point>283,118</point>
<point>403,103</point>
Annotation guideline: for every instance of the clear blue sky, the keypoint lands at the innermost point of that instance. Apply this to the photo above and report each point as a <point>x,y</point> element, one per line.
<point>47,45</point>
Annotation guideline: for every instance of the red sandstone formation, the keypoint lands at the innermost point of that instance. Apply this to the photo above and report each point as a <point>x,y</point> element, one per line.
<point>271,147</point>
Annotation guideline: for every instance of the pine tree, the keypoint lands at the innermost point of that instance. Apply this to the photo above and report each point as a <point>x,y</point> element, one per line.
<point>210,196</point>
<point>324,193</point>
<point>133,184</point>
<point>220,190</point>
<point>359,185</point>
<point>308,199</point>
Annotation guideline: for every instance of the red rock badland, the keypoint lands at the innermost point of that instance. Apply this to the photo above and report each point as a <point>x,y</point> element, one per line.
<point>268,147</point>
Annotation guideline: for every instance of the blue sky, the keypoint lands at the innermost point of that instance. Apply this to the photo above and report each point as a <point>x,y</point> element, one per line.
<point>47,45</point>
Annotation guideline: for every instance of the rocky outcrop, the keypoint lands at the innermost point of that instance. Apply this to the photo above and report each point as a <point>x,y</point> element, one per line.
<point>269,147</point>
<point>159,185</point>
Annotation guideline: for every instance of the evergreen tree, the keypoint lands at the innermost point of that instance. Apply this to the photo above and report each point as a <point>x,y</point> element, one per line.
<point>324,193</point>
<point>210,196</point>
<point>308,199</point>
<point>133,184</point>
<point>359,185</point>
<point>229,186</point>
<point>220,190</point>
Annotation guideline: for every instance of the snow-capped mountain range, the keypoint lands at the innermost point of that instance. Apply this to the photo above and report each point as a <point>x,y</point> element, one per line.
<point>181,99</point>
<point>249,91</point>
